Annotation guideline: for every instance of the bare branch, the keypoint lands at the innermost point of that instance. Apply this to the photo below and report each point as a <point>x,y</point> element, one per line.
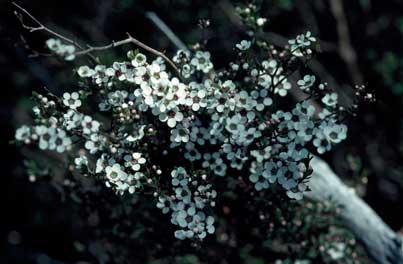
<point>90,49</point>
<point>41,26</point>
<point>128,40</point>
<point>35,53</point>
<point>382,243</point>
<point>156,52</point>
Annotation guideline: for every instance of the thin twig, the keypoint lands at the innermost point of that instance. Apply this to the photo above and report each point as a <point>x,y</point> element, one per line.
<point>87,51</point>
<point>156,52</point>
<point>35,53</point>
<point>128,40</point>
<point>41,26</point>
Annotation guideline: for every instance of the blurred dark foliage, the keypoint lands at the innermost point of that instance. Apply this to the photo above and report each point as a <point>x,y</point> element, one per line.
<point>36,223</point>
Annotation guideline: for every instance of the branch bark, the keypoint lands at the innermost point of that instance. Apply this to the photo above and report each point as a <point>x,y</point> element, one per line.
<point>382,243</point>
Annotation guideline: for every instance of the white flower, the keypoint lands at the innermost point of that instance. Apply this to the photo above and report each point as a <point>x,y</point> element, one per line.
<point>246,137</point>
<point>264,80</point>
<point>305,109</point>
<point>324,113</point>
<point>163,204</point>
<point>330,99</point>
<point>294,195</point>
<point>68,52</point>
<point>187,71</point>
<point>179,177</point>
<point>93,144</point>
<point>120,71</point>
<point>171,117</point>
<point>243,45</point>
<point>139,60</point>
<point>234,124</point>
<point>115,173</point>
<point>282,85</point>
<point>63,50</point>
<point>85,71</point>
<point>201,61</point>
<point>261,21</point>
<point>337,251</point>
<point>161,62</point>
<point>72,100</point>
<point>181,56</point>
<point>110,72</point>
<point>134,161</point>
<point>117,98</point>
<point>197,99</point>
<point>271,66</point>
<point>306,130</point>
<point>36,111</point>
<point>136,134</point>
<point>180,234</point>
<point>220,168</point>
<point>23,133</point>
<point>60,142</point>
<point>81,162</point>
<point>321,143</point>
<point>262,155</point>
<point>301,44</point>
<point>72,119</point>
<point>307,82</point>
<point>191,153</point>
<point>180,134</point>
<point>335,133</point>
<point>45,136</point>
<point>53,44</point>
<point>89,126</point>
<point>100,164</point>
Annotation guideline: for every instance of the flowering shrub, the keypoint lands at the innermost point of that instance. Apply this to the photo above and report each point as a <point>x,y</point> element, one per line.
<point>184,131</point>
<point>178,135</point>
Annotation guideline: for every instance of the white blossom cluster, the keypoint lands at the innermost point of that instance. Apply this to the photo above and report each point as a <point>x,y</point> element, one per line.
<point>228,123</point>
<point>250,16</point>
<point>47,137</point>
<point>48,134</point>
<point>63,50</point>
<point>302,44</point>
<point>191,196</point>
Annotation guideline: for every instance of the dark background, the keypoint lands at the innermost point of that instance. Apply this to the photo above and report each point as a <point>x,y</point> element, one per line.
<point>33,222</point>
